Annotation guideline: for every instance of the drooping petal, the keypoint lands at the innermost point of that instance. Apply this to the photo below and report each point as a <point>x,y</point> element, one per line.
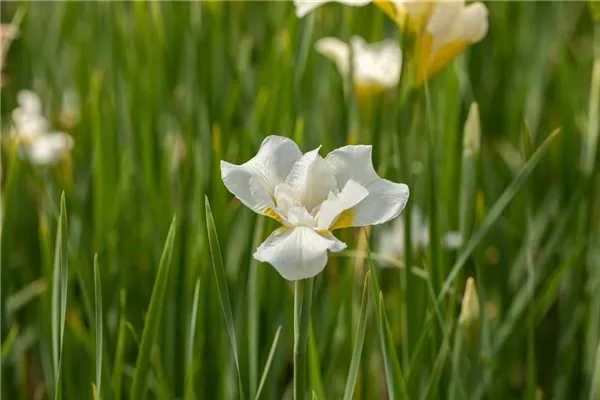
<point>49,148</point>
<point>303,7</point>
<point>332,208</point>
<point>311,179</point>
<point>297,253</point>
<point>472,24</point>
<point>386,199</point>
<point>269,167</point>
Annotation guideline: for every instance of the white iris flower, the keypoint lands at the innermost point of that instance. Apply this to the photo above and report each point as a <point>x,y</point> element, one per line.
<point>376,66</point>
<point>30,128</point>
<point>311,196</point>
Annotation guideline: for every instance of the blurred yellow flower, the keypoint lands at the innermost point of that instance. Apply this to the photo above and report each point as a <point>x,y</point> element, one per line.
<point>449,29</point>
<point>375,67</point>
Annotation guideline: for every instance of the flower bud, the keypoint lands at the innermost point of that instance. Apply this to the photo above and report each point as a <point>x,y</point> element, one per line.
<point>469,313</point>
<point>472,131</point>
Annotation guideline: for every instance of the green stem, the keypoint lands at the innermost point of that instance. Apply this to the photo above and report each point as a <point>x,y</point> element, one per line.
<point>302,303</point>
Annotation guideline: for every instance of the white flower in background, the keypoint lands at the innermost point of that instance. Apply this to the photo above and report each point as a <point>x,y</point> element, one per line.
<point>450,28</point>
<point>376,67</point>
<point>311,196</point>
<point>303,7</point>
<point>391,240</point>
<point>30,129</point>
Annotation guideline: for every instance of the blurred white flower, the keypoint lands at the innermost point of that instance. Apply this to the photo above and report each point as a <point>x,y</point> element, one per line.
<point>30,129</point>
<point>303,7</point>
<point>311,196</point>
<point>449,29</point>
<point>376,67</point>
<point>391,240</point>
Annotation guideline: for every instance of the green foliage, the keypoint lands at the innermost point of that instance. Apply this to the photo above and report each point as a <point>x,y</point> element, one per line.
<point>168,89</point>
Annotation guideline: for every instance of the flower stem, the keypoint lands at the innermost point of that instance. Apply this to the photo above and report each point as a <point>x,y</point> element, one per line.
<point>302,304</point>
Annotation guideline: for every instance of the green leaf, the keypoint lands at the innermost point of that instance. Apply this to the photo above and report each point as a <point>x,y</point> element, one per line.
<point>495,212</point>
<point>59,293</point>
<point>189,362</point>
<point>98,327</point>
<point>219,269</point>
<point>120,351</point>
<point>153,318</point>
<point>360,340</point>
<point>263,379</point>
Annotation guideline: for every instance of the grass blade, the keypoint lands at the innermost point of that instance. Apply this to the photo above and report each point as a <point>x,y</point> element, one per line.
<point>263,379</point>
<point>219,270</point>
<point>393,373</point>
<point>98,327</point>
<point>360,340</point>
<point>189,362</point>
<point>120,351</point>
<point>153,318</point>
<point>495,212</point>
<point>59,293</point>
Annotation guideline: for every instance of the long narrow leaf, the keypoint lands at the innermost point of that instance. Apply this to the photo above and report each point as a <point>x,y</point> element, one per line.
<point>189,362</point>
<point>98,303</point>
<point>153,319</point>
<point>59,293</point>
<point>263,379</point>
<point>360,340</point>
<point>219,269</point>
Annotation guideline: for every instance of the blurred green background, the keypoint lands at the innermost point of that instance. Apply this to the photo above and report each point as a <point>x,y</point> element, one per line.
<point>168,89</point>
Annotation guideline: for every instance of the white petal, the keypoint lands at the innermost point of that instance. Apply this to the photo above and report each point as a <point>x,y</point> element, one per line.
<point>298,216</point>
<point>29,101</point>
<point>337,51</point>
<point>452,240</point>
<point>311,180</point>
<point>303,7</point>
<point>377,63</point>
<point>473,22</point>
<point>443,17</point>
<point>352,194</point>
<point>49,148</point>
<point>297,253</point>
<point>385,200</point>
<point>352,162</point>
<point>269,167</point>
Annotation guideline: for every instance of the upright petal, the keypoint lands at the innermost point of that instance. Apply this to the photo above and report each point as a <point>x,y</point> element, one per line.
<point>311,180</point>
<point>472,24</point>
<point>269,168</point>
<point>297,253</point>
<point>386,199</point>
<point>332,208</point>
<point>377,63</point>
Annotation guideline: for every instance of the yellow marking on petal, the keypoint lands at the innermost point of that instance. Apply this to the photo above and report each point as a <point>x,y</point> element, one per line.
<point>445,54</point>
<point>366,93</point>
<point>270,213</point>
<point>344,220</point>
<point>388,8</point>
<point>421,58</point>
